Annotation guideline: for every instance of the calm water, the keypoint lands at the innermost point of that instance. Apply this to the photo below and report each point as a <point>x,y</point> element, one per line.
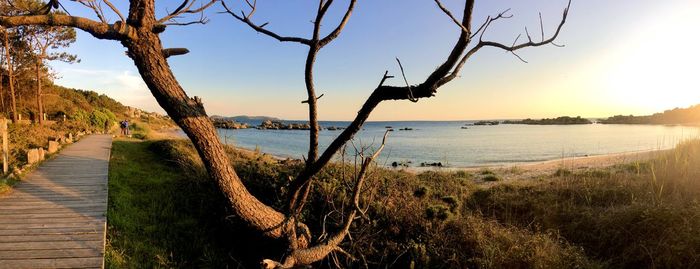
<point>447,143</point>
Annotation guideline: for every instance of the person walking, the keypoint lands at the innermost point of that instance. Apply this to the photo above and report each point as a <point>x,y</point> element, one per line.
<point>123,126</point>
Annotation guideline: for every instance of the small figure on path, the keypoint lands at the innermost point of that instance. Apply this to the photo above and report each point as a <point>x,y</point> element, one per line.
<point>124,125</point>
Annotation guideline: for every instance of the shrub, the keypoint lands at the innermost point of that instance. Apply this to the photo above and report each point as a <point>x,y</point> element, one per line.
<point>421,191</point>
<point>491,178</point>
<point>452,202</point>
<point>486,172</point>
<point>562,172</point>
<point>439,212</point>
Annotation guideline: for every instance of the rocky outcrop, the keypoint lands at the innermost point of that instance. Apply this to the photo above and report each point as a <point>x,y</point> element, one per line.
<point>228,124</point>
<point>279,125</point>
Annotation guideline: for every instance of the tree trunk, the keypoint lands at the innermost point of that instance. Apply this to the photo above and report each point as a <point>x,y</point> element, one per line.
<point>2,93</point>
<point>39,105</point>
<point>189,114</point>
<point>13,103</point>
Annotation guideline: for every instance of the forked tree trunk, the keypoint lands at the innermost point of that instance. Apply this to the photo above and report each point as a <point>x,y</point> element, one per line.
<point>189,114</point>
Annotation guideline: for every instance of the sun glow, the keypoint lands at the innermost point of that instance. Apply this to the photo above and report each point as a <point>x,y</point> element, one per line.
<point>656,68</point>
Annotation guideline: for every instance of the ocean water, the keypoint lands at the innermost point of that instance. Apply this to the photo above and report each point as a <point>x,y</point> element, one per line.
<point>447,143</point>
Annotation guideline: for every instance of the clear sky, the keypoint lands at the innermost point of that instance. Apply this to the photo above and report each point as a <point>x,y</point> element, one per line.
<point>621,57</point>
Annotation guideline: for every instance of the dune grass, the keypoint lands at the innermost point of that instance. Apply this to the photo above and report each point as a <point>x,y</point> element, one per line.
<point>638,215</point>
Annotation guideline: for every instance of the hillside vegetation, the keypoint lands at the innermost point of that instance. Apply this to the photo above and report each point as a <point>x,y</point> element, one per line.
<point>690,115</point>
<point>69,111</point>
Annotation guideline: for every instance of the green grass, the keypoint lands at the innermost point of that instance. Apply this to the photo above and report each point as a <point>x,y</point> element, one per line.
<point>158,218</point>
<point>6,184</point>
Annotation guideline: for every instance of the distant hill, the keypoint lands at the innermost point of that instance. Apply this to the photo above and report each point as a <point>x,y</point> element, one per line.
<point>556,121</point>
<point>690,115</point>
<point>245,118</point>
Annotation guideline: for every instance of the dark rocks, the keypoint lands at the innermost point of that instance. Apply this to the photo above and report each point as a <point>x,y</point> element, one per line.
<point>486,122</point>
<point>279,125</point>
<point>437,164</point>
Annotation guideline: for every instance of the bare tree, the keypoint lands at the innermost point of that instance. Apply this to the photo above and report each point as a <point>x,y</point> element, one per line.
<point>139,33</point>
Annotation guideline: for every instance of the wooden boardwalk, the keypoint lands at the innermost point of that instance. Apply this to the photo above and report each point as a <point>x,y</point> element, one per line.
<point>55,218</point>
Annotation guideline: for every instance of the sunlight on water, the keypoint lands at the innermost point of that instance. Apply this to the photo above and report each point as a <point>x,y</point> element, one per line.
<point>447,143</point>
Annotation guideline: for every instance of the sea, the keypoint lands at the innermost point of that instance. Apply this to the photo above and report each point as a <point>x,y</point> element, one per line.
<point>462,144</point>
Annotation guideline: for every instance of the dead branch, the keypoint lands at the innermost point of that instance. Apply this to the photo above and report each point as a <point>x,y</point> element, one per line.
<point>315,43</point>
<point>410,92</point>
<point>336,32</point>
<point>187,7</point>
<point>322,249</point>
<point>115,10</point>
<point>307,101</point>
<point>512,48</point>
<point>95,7</point>
<point>449,14</point>
<point>445,73</point>
<point>174,52</point>
<point>259,28</point>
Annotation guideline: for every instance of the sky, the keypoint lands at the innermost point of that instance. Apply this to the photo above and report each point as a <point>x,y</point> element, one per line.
<point>620,57</point>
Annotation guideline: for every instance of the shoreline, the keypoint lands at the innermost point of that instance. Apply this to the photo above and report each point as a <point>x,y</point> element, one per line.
<point>529,168</point>
<point>549,167</point>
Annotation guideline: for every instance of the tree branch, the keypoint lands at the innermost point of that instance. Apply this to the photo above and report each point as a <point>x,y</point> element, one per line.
<point>512,48</point>
<point>449,14</point>
<point>116,31</point>
<point>259,28</point>
<point>116,11</point>
<point>186,8</point>
<point>336,32</point>
<point>319,251</point>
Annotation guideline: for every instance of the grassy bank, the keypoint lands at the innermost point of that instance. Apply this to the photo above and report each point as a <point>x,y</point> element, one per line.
<point>165,212</point>
<point>158,217</point>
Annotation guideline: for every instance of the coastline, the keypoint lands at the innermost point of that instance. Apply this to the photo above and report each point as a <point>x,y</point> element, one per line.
<point>512,170</point>
<point>549,167</point>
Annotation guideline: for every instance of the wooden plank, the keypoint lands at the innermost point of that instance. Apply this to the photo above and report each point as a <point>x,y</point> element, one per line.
<point>54,200</point>
<point>52,210</point>
<point>50,253</point>
<point>50,238</point>
<point>53,263</point>
<point>55,218</point>
<point>53,206</point>
<point>96,244</point>
<point>40,231</point>
<point>51,225</point>
<point>54,215</point>
<point>57,198</point>
<point>70,219</point>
